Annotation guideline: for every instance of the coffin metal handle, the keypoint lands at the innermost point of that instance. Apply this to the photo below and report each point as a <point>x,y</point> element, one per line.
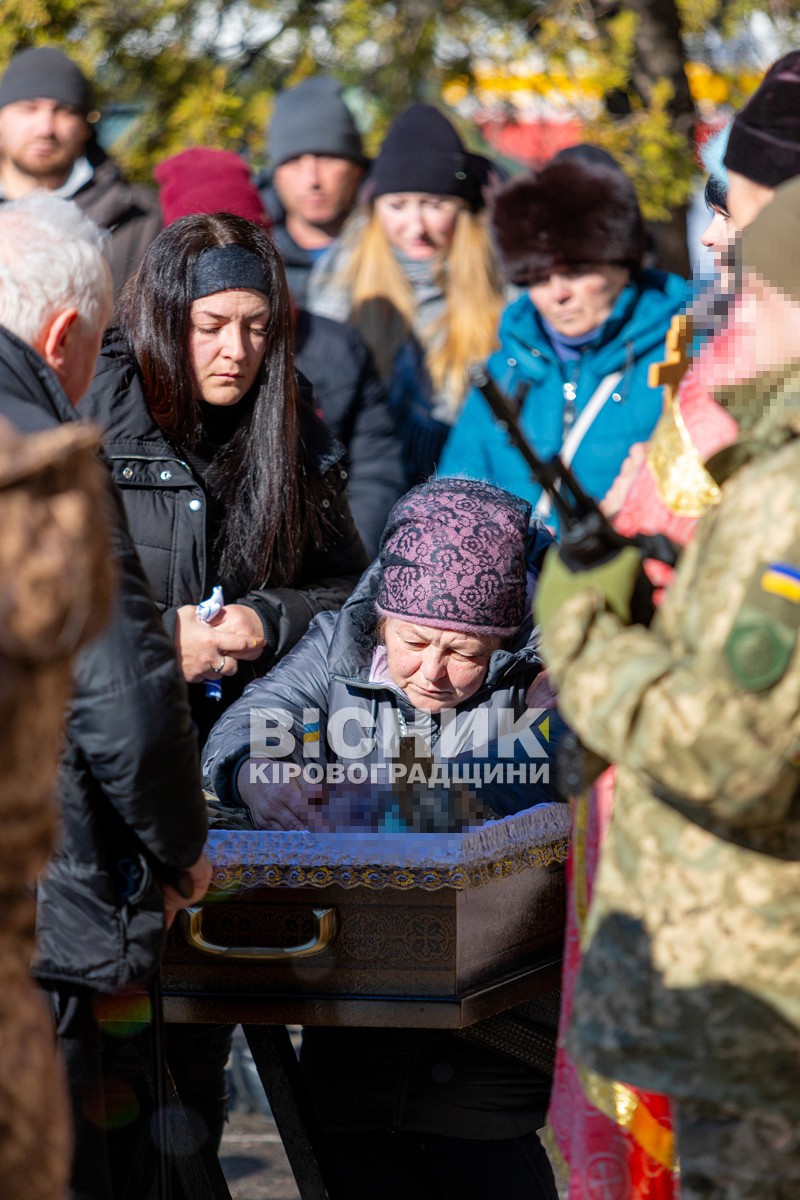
<point>324,933</point>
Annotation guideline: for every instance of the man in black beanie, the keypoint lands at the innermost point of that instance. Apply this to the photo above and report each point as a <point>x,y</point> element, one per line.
<point>47,141</point>
<point>764,145</point>
<point>317,163</point>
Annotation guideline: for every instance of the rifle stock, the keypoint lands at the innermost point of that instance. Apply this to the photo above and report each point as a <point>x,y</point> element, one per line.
<point>587,537</point>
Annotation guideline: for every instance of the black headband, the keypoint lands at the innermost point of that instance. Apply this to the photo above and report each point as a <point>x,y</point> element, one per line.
<point>221,268</point>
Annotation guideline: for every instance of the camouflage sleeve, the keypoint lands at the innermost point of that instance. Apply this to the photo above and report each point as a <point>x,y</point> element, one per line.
<point>705,706</point>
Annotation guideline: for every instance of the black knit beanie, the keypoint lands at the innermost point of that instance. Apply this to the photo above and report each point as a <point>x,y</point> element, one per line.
<point>589,153</point>
<point>45,73</point>
<point>312,118</point>
<point>572,211</point>
<point>764,142</point>
<point>423,153</point>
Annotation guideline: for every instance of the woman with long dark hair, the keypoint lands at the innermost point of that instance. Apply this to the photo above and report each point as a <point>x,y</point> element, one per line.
<point>227,475</point>
<point>228,478</point>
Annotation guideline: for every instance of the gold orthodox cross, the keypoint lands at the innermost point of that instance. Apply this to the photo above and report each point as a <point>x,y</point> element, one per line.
<point>669,373</point>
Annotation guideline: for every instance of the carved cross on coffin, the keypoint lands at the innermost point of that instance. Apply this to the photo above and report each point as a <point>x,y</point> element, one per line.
<point>668,374</point>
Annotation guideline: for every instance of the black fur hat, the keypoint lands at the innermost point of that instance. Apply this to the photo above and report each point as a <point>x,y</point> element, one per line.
<point>572,211</point>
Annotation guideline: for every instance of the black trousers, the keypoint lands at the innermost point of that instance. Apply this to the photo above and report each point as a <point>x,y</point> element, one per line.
<point>396,1166</point>
<point>81,1045</point>
<point>426,1114</point>
<point>109,1074</point>
<point>196,1057</point>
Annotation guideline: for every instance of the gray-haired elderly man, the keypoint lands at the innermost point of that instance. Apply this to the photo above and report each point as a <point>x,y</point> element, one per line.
<point>133,820</point>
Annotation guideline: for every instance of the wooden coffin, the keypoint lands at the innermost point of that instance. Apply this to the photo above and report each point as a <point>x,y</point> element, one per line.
<point>374,928</point>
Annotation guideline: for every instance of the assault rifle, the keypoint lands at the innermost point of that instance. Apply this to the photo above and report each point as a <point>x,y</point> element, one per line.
<point>587,536</point>
<point>587,539</point>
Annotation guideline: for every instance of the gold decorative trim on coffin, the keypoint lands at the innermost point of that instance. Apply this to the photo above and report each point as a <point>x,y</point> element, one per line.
<point>377,877</point>
<point>628,1110</point>
<point>683,484</point>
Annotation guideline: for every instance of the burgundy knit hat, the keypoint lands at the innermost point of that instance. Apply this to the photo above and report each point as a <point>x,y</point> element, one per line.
<point>453,556</point>
<point>572,211</point>
<point>764,142</point>
<point>208,181</point>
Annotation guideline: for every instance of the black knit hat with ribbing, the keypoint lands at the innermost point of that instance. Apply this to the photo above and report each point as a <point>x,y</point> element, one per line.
<point>764,142</point>
<point>423,153</point>
<point>45,73</point>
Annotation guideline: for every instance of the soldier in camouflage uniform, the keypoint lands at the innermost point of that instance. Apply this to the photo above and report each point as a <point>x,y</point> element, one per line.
<point>690,982</point>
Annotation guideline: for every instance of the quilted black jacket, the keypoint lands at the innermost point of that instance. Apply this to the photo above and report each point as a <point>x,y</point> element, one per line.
<point>129,787</point>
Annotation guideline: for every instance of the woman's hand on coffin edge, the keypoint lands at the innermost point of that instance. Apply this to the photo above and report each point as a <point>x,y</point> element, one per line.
<point>288,804</point>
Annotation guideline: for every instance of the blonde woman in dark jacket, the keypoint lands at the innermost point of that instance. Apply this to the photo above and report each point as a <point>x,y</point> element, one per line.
<point>414,271</point>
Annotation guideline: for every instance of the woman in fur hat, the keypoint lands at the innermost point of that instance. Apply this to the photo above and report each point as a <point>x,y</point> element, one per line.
<point>415,273</point>
<point>575,349</point>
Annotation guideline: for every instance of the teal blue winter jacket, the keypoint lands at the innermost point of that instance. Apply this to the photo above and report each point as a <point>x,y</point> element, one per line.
<point>528,369</point>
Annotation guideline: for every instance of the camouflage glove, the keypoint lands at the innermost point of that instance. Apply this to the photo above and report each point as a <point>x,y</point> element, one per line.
<point>616,579</point>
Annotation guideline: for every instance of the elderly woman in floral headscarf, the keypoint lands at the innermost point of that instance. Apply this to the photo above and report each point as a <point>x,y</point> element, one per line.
<point>435,641</point>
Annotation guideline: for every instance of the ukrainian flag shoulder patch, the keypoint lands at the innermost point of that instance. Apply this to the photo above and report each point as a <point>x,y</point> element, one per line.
<point>782,579</point>
<point>762,640</point>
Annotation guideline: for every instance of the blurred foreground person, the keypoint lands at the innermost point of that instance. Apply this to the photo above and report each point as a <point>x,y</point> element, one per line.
<point>55,594</point>
<point>595,1121</point>
<point>763,149</point>
<point>133,820</point>
<point>688,981</point>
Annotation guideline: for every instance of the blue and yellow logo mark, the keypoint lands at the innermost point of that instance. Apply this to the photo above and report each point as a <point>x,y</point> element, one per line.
<point>311,739</point>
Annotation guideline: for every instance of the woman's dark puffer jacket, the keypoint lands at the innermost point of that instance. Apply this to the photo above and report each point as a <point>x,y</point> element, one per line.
<point>166,508</point>
<point>352,402</point>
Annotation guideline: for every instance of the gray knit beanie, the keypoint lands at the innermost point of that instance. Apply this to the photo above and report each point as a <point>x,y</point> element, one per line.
<point>312,118</point>
<point>45,73</point>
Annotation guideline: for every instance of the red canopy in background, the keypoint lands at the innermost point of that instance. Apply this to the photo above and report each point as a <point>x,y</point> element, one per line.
<point>533,143</point>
